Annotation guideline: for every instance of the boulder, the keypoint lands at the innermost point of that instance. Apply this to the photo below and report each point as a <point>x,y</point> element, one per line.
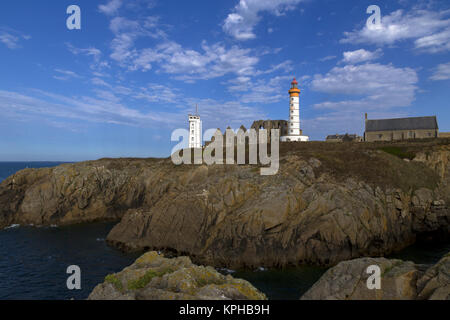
<point>154,277</point>
<point>400,280</point>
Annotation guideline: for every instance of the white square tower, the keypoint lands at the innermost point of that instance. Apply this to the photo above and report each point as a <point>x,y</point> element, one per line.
<point>195,131</point>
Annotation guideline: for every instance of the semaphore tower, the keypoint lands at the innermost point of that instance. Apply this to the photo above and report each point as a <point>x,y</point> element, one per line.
<point>195,130</point>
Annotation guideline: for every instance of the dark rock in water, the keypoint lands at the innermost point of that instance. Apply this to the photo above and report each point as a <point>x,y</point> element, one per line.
<point>153,277</point>
<point>400,280</point>
<point>328,203</point>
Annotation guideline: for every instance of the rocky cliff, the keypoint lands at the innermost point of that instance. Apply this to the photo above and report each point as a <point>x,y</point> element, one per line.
<point>400,280</point>
<point>153,277</point>
<point>328,203</point>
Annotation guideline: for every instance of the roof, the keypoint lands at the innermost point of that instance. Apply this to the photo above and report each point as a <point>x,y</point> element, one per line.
<point>341,136</point>
<point>417,123</point>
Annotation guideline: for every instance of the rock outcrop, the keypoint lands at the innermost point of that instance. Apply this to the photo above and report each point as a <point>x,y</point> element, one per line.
<point>153,277</point>
<point>328,203</point>
<point>400,280</point>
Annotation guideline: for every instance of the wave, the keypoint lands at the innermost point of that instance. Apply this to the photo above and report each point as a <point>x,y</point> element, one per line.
<point>13,226</point>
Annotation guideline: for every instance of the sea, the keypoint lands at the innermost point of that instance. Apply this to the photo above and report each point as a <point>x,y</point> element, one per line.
<point>34,261</point>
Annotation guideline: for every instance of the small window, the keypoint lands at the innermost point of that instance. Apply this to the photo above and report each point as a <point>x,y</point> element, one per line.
<point>380,136</point>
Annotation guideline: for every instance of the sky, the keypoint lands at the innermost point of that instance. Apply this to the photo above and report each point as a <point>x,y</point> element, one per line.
<point>120,85</point>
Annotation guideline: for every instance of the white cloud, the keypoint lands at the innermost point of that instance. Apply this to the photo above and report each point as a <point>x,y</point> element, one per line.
<point>98,63</point>
<point>217,114</point>
<point>99,82</point>
<point>215,61</point>
<point>430,30</point>
<point>111,7</point>
<point>361,55</point>
<point>106,107</point>
<point>435,43</point>
<point>327,58</point>
<point>441,72</point>
<point>11,38</point>
<point>241,22</point>
<point>91,51</point>
<point>154,92</point>
<point>65,75</point>
<point>367,87</point>
<point>126,33</point>
<point>187,64</point>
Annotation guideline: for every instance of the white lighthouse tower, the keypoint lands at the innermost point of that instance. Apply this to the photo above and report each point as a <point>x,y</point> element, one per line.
<point>294,131</point>
<point>195,130</point>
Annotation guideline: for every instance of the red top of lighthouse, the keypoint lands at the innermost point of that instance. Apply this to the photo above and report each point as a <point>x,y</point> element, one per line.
<point>295,91</point>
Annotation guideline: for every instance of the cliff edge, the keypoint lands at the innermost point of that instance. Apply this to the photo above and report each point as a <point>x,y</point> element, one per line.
<point>328,203</point>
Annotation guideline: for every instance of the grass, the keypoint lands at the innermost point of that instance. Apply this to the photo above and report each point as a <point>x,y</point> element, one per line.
<point>366,162</point>
<point>399,152</point>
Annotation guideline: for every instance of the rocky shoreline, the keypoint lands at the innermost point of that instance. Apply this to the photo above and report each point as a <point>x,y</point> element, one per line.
<point>155,277</point>
<point>328,203</point>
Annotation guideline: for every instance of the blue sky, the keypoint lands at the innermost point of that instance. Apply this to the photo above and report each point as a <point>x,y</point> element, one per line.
<point>119,86</point>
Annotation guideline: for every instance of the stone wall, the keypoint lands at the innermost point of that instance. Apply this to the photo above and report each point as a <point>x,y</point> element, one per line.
<point>400,135</point>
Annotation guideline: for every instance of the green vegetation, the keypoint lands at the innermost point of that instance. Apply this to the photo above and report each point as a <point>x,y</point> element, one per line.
<point>394,265</point>
<point>370,162</point>
<point>114,280</point>
<point>202,282</point>
<point>399,152</point>
<point>146,278</point>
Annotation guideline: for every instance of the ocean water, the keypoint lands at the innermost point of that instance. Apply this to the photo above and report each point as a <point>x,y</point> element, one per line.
<point>9,168</point>
<point>33,261</point>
